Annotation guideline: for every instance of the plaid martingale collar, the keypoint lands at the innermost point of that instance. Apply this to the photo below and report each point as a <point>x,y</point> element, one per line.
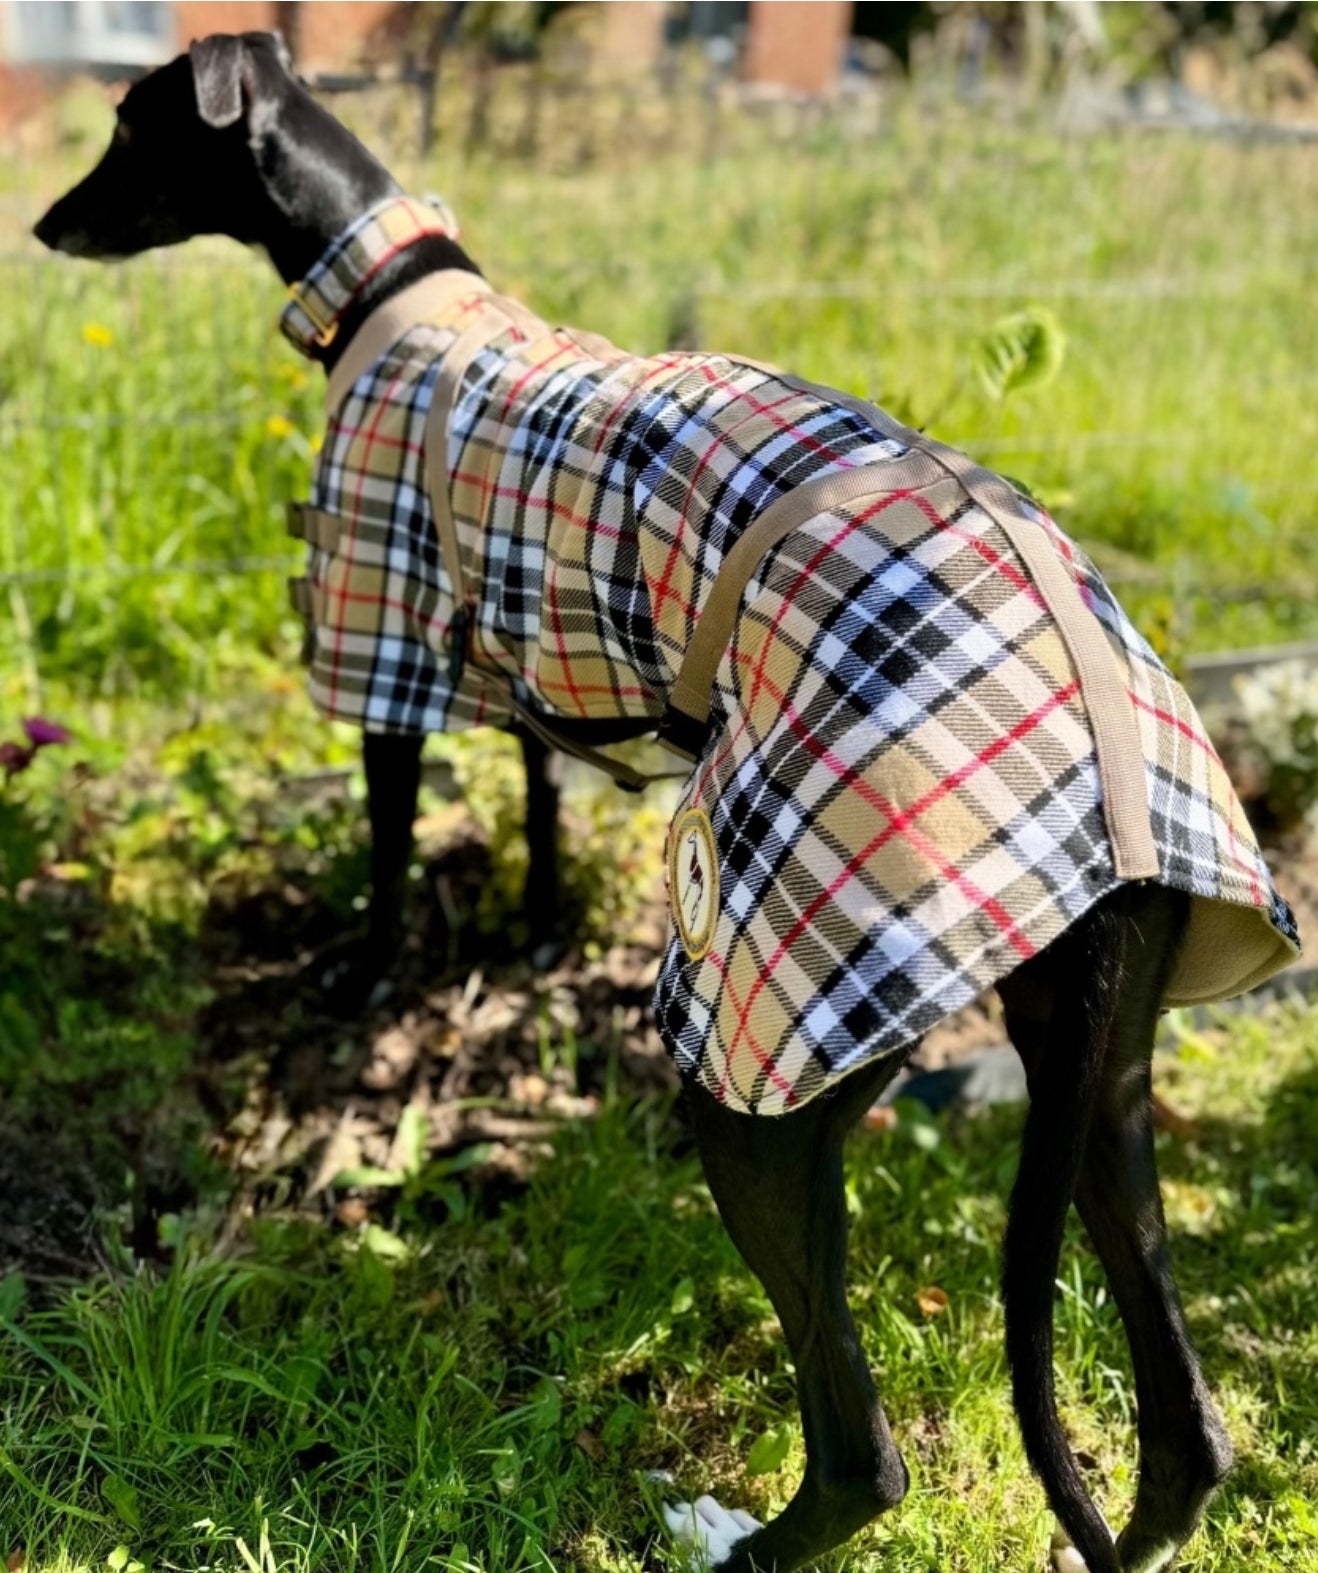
<point>311,318</point>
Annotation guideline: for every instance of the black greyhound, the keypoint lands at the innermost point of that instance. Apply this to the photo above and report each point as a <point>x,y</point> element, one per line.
<point>228,141</point>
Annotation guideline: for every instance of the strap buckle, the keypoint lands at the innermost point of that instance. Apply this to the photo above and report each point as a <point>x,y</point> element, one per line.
<point>681,733</point>
<point>324,331</point>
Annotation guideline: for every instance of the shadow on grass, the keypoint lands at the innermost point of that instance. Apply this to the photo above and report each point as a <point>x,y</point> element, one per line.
<point>145,1070</point>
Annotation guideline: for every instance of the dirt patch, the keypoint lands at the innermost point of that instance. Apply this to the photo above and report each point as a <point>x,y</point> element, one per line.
<point>481,1048</point>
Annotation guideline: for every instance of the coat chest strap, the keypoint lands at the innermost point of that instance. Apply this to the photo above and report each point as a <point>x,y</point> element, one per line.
<point>462,630</point>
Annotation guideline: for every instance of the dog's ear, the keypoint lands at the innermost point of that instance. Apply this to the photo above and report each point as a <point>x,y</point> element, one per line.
<point>275,39</point>
<point>217,73</point>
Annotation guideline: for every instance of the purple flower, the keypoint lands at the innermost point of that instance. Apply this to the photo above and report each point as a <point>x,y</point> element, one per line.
<point>41,732</point>
<point>14,758</point>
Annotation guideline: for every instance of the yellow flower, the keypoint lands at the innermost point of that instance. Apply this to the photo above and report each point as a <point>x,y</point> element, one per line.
<point>98,334</point>
<point>317,443</point>
<point>279,426</point>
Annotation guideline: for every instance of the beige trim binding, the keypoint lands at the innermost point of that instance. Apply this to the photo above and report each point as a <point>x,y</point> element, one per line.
<point>398,315</point>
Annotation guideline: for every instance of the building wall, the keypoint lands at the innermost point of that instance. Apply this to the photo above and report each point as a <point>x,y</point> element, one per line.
<point>795,45</point>
<point>335,36</point>
<point>629,35</point>
<point>196,18</point>
<point>23,90</point>
<point>327,37</point>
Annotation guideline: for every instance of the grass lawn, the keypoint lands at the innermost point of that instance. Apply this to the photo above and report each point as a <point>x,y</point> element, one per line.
<point>462,1385</point>
<point>452,1372</point>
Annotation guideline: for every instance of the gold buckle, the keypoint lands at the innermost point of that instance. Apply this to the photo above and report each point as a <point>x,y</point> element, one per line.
<point>324,336</point>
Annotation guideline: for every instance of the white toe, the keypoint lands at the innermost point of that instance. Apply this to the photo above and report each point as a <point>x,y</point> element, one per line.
<point>681,1521</point>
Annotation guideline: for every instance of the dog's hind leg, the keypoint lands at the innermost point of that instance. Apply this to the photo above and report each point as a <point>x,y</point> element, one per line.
<point>779,1188</point>
<point>1184,1450</point>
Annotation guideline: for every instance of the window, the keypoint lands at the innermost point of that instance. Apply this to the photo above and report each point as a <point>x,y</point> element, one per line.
<point>90,32</point>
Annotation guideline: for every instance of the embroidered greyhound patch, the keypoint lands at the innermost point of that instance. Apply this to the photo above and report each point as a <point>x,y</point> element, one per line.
<point>693,881</point>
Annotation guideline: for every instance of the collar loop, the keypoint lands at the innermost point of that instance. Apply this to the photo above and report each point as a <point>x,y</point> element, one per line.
<point>317,302</point>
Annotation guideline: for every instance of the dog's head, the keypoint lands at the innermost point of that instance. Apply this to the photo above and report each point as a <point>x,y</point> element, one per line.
<point>180,162</point>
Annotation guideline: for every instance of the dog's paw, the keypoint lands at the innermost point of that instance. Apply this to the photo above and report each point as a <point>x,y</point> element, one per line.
<point>351,976</point>
<point>710,1530</point>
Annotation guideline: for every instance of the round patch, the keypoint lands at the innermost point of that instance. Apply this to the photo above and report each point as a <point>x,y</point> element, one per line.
<point>693,881</point>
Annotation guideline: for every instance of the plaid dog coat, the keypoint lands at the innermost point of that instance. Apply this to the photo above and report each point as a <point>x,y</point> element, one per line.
<point>926,738</point>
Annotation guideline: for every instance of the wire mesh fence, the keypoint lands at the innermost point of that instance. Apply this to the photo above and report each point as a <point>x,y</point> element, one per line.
<point>153,424</point>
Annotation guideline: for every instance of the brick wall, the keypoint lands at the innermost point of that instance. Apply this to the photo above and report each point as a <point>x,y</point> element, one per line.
<point>797,45</point>
<point>327,37</point>
<point>196,18</point>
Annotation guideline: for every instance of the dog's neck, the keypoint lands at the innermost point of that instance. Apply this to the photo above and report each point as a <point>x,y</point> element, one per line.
<point>316,181</point>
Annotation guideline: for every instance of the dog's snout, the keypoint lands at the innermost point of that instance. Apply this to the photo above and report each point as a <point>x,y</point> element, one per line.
<point>68,232</point>
<point>52,230</point>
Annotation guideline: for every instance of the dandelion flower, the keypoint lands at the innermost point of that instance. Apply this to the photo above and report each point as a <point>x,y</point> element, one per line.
<point>97,334</point>
<point>279,426</point>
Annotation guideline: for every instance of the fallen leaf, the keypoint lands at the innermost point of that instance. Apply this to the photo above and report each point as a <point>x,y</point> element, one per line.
<point>352,1211</point>
<point>393,1054</point>
<point>882,1117</point>
<point>932,1301</point>
<point>16,1561</point>
<point>529,1088</point>
<point>590,1445</point>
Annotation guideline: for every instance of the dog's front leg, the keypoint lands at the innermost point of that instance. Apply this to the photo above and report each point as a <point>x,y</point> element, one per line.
<point>540,898</point>
<point>779,1188</point>
<point>392,761</point>
<point>393,779</point>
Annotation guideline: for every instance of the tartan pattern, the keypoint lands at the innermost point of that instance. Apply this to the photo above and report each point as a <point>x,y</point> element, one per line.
<point>359,252</point>
<point>905,799</point>
<point>901,778</point>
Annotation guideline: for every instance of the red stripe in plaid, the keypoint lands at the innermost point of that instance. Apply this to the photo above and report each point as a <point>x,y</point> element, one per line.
<point>764,1057</point>
<point>902,822</point>
<point>1248,867</point>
